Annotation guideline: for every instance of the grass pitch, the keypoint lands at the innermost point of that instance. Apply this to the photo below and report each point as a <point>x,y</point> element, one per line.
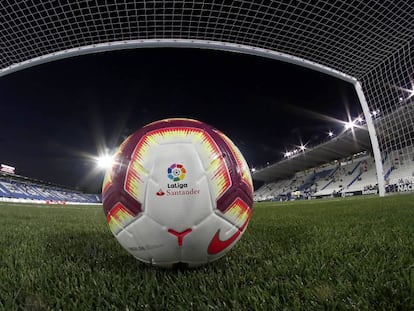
<point>341,254</point>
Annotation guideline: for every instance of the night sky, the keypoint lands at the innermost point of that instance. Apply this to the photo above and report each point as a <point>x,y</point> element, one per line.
<point>55,116</point>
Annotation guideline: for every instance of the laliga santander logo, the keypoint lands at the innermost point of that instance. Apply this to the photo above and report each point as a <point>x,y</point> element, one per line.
<point>176,173</point>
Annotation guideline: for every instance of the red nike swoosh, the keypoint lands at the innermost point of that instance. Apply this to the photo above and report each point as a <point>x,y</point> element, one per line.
<point>217,245</point>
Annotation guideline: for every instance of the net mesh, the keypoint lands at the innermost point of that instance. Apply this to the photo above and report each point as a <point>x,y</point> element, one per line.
<point>369,40</point>
<point>389,90</point>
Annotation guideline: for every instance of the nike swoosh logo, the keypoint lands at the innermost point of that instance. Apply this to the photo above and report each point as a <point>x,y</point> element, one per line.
<point>217,245</point>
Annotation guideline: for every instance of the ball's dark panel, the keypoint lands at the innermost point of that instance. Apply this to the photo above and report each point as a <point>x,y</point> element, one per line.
<point>239,188</point>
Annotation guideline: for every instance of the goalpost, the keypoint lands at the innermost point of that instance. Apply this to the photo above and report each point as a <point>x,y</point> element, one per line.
<point>367,43</point>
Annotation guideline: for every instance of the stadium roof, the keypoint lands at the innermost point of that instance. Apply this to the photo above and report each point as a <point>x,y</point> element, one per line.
<point>340,147</point>
<point>344,145</point>
<point>352,37</point>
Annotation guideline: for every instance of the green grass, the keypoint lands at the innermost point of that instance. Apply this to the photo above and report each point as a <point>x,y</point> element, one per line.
<point>343,254</point>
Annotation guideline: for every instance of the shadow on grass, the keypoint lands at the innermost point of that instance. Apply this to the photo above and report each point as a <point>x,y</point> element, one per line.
<point>99,251</point>
<point>93,250</point>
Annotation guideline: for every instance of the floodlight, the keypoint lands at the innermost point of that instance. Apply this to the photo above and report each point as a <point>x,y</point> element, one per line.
<point>105,161</point>
<point>349,125</point>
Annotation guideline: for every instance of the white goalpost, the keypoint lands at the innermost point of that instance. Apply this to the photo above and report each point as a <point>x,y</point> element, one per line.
<point>367,43</point>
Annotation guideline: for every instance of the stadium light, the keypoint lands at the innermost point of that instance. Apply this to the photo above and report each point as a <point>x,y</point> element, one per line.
<point>330,134</point>
<point>409,91</point>
<point>302,147</point>
<point>105,161</point>
<point>349,125</point>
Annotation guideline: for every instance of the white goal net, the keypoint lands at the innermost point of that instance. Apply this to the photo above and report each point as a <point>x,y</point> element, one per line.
<point>371,41</point>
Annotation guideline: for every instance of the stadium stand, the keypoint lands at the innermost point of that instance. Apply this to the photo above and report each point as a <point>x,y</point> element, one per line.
<point>15,188</point>
<point>355,175</point>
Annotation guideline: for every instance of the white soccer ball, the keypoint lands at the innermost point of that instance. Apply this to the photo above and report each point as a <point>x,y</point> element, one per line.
<point>179,191</point>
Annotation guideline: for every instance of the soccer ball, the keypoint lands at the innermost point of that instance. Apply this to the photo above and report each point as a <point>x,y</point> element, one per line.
<point>179,191</point>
